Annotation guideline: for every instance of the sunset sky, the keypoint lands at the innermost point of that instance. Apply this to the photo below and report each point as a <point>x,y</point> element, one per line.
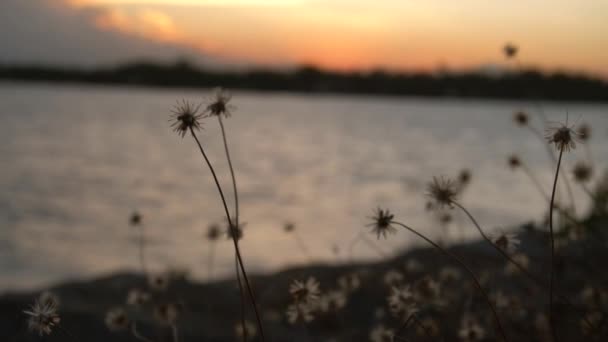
<point>333,34</point>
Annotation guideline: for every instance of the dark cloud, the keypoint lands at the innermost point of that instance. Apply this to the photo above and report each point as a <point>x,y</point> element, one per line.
<point>49,32</point>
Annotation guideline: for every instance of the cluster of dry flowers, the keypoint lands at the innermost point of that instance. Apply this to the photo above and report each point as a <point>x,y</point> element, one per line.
<point>415,297</point>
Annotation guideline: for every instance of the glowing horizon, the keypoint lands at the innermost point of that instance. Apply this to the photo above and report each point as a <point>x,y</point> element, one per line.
<point>390,34</point>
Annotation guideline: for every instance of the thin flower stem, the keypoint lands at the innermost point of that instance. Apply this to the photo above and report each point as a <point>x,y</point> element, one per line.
<point>236,218</point>
<point>234,236</point>
<point>234,187</point>
<point>471,273</point>
<point>242,295</point>
<point>541,283</point>
<point>137,334</point>
<point>552,272</point>
<point>565,181</point>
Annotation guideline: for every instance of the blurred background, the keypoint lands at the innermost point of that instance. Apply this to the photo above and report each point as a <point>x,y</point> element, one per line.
<point>340,107</point>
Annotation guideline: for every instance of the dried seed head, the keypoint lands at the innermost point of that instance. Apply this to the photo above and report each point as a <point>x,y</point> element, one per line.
<point>213,232</point>
<point>219,106</point>
<point>584,132</point>
<point>464,177</point>
<point>185,117</point>
<point>167,313</point>
<point>582,172</point>
<point>563,137</point>
<point>507,242</point>
<point>117,319</point>
<point>514,162</point>
<point>135,219</point>
<point>442,191</point>
<point>510,50</point>
<point>43,316</point>
<point>235,231</point>
<point>159,282</point>
<point>521,118</point>
<point>137,297</point>
<point>382,223</point>
<point>289,227</point>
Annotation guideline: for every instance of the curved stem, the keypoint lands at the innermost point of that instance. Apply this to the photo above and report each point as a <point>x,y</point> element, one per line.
<point>471,274</point>
<point>541,283</point>
<point>236,209</point>
<point>234,236</point>
<point>552,272</point>
<point>242,295</point>
<point>565,181</point>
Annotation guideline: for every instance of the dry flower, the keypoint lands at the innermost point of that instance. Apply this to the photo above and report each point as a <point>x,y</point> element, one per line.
<point>185,117</point>
<point>563,137</point>
<point>219,105</point>
<point>442,191</point>
<point>305,292</point>
<point>582,172</point>
<point>117,319</point>
<point>382,224</point>
<point>510,50</point>
<point>43,316</point>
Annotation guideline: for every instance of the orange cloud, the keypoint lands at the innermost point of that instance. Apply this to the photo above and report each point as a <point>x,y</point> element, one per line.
<point>146,23</point>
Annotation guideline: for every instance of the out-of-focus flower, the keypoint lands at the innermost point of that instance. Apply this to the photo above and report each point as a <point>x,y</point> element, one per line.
<point>401,302</point>
<point>510,50</point>
<point>167,313</point>
<point>521,118</point>
<point>442,191</point>
<point>213,232</point>
<point>160,281</point>
<point>137,297</point>
<point>135,219</point>
<point>514,162</point>
<point>117,319</point>
<point>305,292</point>
<point>507,242</point>
<point>299,312</point>
<point>582,172</point>
<point>43,316</point>
<point>393,278</point>
<point>220,104</point>
<point>381,334</point>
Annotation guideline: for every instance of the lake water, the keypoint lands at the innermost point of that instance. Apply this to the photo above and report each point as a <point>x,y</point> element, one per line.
<point>77,160</point>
